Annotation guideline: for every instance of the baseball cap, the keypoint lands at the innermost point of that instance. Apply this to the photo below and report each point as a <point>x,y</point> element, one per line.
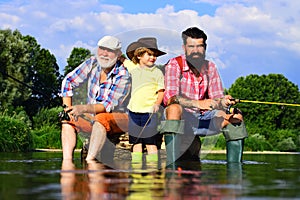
<point>110,42</point>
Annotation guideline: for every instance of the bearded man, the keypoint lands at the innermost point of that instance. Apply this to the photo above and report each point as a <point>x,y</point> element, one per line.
<point>108,84</point>
<point>196,104</point>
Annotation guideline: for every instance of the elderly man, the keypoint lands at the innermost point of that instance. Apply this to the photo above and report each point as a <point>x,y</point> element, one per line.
<point>108,84</point>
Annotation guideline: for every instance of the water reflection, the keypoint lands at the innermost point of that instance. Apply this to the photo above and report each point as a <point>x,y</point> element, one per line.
<point>72,182</point>
<point>146,185</point>
<point>191,181</point>
<point>95,181</point>
<point>150,181</point>
<point>45,176</point>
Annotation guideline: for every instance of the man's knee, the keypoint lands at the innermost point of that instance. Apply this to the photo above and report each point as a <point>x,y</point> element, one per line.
<point>113,122</point>
<point>232,119</point>
<point>173,112</point>
<point>67,129</point>
<point>103,119</point>
<point>99,127</point>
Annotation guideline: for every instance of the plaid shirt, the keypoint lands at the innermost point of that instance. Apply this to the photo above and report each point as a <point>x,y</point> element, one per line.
<point>110,93</point>
<point>187,85</point>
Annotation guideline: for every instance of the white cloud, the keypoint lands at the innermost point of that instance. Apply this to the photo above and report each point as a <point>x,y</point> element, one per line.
<point>222,2</point>
<point>40,14</point>
<point>111,8</point>
<point>238,31</point>
<point>8,20</point>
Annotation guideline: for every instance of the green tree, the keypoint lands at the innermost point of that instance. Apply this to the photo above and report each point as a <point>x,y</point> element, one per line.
<point>268,88</point>
<point>13,61</point>
<point>78,55</point>
<point>29,77</point>
<point>44,76</point>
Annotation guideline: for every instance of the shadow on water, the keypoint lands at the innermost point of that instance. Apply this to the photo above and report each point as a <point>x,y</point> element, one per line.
<point>43,175</point>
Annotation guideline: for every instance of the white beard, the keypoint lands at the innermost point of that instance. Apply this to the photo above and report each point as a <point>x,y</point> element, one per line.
<point>106,62</point>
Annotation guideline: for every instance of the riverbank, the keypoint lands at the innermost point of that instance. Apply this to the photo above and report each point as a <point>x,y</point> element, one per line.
<point>202,151</point>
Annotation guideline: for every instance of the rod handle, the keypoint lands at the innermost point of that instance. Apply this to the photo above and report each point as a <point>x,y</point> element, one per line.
<point>235,100</point>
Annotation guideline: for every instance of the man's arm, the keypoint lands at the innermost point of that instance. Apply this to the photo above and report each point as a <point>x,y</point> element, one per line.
<point>160,96</point>
<point>80,110</point>
<point>73,80</point>
<point>118,91</point>
<point>67,101</point>
<point>172,80</point>
<point>205,104</point>
<point>76,77</point>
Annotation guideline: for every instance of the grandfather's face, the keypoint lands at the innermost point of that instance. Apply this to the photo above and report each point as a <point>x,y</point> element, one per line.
<point>195,51</point>
<point>107,57</point>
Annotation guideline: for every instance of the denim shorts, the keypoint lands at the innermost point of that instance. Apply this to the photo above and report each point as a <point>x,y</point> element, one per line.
<point>139,132</point>
<point>204,124</point>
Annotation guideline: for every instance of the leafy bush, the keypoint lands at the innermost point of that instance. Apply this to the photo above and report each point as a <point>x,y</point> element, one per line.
<point>287,145</point>
<point>14,135</point>
<point>47,129</point>
<point>298,143</point>
<point>215,142</point>
<point>257,142</point>
<point>281,136</point>
<point>49,137</point>
<point>47,117</point>
<point>46,137</point>
<point>221,143</point>
<point>16,113</point>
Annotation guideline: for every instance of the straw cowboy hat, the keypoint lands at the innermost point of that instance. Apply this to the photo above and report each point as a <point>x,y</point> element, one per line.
<point>148,42</point>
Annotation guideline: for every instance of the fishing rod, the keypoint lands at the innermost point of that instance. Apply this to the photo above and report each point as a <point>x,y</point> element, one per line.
<point>264,102</point>
<point>26,85</point>
<point>140,133</point>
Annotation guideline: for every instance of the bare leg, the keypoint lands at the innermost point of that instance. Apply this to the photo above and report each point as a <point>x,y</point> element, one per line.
<point>97,140</point>
<point>68,139</point>
<point>173,112</point>
<point>137,148</point>
<point>151,148</point>
<point>232,119</point>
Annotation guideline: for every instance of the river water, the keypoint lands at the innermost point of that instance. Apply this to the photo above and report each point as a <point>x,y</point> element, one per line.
<point>43,175</point>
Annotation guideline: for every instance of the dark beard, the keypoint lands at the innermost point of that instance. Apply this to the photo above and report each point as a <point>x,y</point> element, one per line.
<point>196,64</point>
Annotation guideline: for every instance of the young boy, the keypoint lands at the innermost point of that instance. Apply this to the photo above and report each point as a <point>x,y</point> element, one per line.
<point>146,97</point>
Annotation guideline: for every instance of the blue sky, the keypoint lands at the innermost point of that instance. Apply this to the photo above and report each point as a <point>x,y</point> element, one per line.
<point>244,36</point>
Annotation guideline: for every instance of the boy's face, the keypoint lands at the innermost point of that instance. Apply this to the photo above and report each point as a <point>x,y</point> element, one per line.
<point>147,59</point>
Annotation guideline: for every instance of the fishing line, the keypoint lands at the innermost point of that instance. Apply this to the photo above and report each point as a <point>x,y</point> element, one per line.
<point>27,85</point>
<point>264,102</point>
<point>139,135</point>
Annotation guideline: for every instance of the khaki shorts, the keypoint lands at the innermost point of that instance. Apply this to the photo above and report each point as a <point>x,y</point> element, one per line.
<point>113,123</point>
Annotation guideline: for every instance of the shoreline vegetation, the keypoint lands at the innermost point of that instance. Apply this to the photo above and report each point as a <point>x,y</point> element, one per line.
<point>202,151</point>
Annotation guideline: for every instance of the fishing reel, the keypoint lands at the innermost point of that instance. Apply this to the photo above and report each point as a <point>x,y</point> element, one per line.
<point>231,110</point>
<point>63,115</point>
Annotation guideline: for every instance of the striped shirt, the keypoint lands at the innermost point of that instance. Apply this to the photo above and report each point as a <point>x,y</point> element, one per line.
<point>111,93</point>
<point>187,85</point>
